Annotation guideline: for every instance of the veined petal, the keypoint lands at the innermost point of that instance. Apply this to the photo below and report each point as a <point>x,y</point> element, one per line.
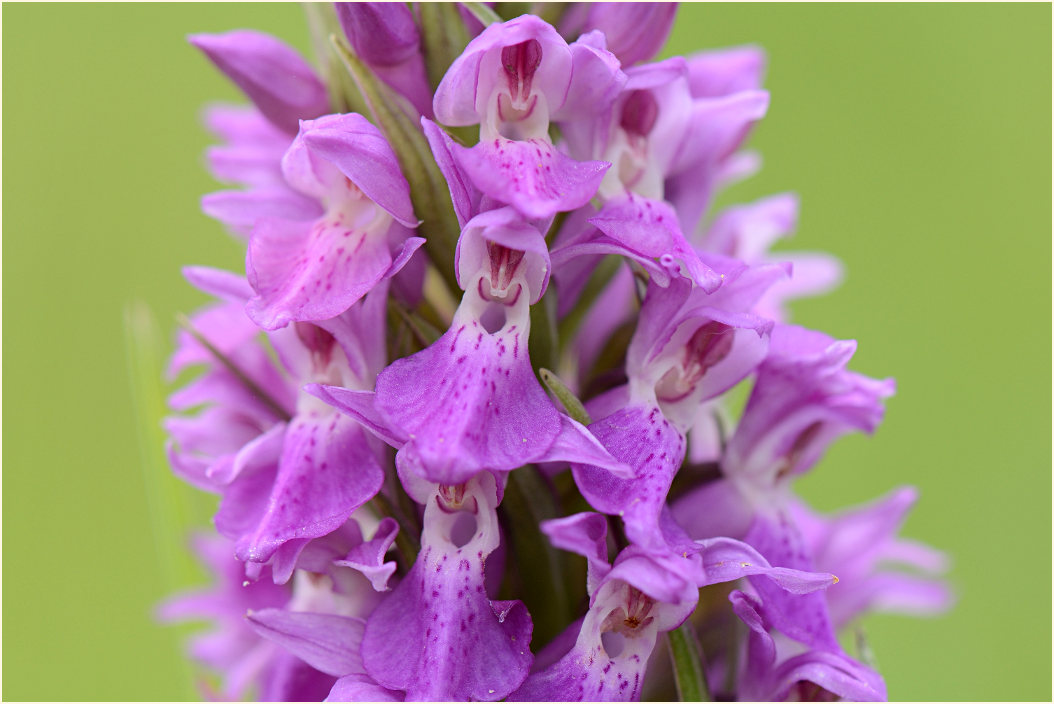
<point>363,155</point>
<point>469,402</point>
<point>641,437</point>
<point>304,271</point>
<point>327,642</point>
<point>531,175</point>
<point>326,471</point>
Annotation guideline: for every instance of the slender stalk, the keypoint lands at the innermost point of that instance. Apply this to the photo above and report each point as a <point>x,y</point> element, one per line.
<point>245,379</point>
<point>687,660</point>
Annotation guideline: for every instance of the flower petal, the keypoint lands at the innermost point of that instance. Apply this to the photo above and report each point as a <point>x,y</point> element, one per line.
<point>281,84</point>
<point>327,642</point>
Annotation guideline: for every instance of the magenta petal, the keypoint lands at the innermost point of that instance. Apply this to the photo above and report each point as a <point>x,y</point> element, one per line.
<point>532,175</point>
<point>239,210</point>
<point>361,688</point>
<point>725,71</point>
<point>641,437</point>
<point>726,560</point>
<point>650,228</point>
<point>577,445</point>
<point>290,679</point>
<point>468,402</point>
<point>361,406</point>
<point>803,617</point>
<point>252,155</point>
<point>634,31</point>
<point>368,557</point>
<point>438,636</point>
<point>327,470</point>
<point>385,36</point>
<point>596,80</point>
<point>219,283</point>
<point>463,193</point>
<point>326,642</point>
<point>584,534</point>
<point>765,679</point>
<point>362,154</point>
<point>281,84</point>
<point>305,271</point>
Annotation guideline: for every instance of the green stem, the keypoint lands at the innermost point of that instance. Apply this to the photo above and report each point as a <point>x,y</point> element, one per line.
<point>687,665</point>
<point>598,281</point>
<point>234,369</point>
<point>544,588</point>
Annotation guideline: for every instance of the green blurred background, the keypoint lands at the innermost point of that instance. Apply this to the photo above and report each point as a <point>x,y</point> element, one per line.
<point>916,135</point>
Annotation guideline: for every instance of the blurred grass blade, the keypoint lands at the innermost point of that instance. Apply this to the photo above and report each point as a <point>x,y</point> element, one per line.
<point>171,516</point>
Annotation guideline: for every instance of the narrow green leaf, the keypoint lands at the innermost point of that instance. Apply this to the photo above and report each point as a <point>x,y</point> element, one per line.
<point>423,331</point>
<point>443,37</point>
<point>571,404</point>
<point>428,188</point>
<point>321,23</point>
<point>687,661</point>
<point>482,12</point>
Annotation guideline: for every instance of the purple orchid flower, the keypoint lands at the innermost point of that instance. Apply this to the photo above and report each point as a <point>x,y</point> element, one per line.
<point>772,671</point>
<point>661,140</point>
<point>302,467</point>
<point>689,347</point>
<point>438,636</point>
<point>861,546</point>
<point>803,399</point>
<point>315,270</point>
<point>330,593</point>
<point>513,80</point>
<point>644,592</point>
